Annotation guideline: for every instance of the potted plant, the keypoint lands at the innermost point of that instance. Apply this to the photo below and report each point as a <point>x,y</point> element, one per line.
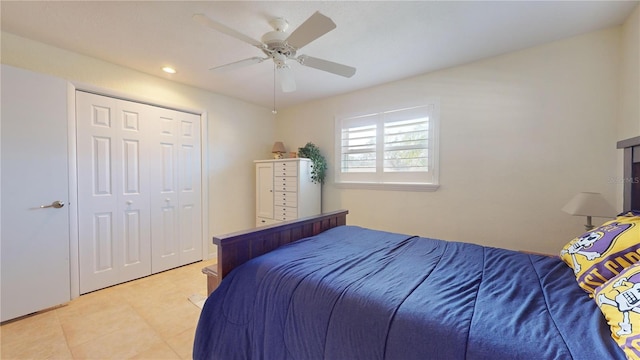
<point>318,162</point>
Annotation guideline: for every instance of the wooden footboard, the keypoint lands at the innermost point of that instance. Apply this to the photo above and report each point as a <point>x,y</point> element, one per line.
<point>237,248</point>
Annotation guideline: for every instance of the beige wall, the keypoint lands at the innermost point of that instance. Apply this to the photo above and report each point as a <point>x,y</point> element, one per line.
<point>629,125</point>
<point>629,116</point>
<point>238,132</point>
<point>520,134</point>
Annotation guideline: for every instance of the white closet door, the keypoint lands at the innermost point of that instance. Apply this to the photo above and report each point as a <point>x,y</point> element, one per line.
<point>176,190</point>
<point>190,188</point>
<point>113,191</point>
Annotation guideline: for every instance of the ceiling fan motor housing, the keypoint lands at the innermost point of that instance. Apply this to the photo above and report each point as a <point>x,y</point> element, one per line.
<point>277,44</point>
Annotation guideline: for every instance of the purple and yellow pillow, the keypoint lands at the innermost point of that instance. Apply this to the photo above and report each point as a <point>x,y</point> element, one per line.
<point>605,251</point>
<point>619,301</point>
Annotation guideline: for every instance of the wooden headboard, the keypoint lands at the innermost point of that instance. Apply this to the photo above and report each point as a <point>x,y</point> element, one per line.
<point>237,248</point>
<point>631,175</point>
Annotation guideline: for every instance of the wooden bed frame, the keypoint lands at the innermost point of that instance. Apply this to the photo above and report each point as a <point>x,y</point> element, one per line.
<point>237,248</point>
<point>631,177</point>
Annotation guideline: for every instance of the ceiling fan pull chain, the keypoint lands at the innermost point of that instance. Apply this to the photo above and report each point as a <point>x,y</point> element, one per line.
<point>274,111</point>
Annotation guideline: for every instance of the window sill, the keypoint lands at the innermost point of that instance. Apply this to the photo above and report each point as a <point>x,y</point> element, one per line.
<point>388,186</point>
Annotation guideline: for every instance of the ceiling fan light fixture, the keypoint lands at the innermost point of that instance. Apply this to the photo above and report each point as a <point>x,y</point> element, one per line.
<point>286,78</point>
<point>280,60</point>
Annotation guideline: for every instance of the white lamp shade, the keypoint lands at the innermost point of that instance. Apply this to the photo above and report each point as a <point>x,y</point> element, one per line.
<point>589,204</point>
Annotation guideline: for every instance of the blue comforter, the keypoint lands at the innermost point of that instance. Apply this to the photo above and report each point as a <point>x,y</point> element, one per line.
<point>355,293</point>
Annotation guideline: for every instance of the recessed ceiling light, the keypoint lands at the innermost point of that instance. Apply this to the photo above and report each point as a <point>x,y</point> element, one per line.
<point>169,70</point>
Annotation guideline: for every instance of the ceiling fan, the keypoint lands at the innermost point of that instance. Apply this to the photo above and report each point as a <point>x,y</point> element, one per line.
<point>281,47</point>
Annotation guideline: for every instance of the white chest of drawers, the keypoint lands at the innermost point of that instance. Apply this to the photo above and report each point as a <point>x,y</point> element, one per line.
<point>284,191</point>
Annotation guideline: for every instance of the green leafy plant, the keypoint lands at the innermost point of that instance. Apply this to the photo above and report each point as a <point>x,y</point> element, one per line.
<point>318,162</point>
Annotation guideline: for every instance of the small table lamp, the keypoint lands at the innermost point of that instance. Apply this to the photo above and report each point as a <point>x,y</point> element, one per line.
<point>278,150</point>
<point>589,204</point>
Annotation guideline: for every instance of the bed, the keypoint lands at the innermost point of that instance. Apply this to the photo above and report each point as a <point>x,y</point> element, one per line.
<point>317,288</point>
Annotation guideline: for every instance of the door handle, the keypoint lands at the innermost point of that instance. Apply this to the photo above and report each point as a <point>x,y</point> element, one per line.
<point>56,204</point>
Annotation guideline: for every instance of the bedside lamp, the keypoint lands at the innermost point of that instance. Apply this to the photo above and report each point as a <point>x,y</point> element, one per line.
<point>589,204</point>
<point>278,150</point>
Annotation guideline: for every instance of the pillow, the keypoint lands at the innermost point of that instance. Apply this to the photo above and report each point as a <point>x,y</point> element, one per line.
<point>604,252</point>
<point>619,301</point>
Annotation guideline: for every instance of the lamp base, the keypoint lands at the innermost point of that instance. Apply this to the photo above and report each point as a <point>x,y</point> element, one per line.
<point>589,226</point>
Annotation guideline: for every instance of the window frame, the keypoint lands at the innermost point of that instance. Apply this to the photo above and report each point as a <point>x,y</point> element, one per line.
<point>406,181</point>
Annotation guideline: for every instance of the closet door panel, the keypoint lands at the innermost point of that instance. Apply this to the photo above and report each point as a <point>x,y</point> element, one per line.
<point>164,198</point>
<point>167,167</point>
<point>133,249</point>
<point>134,193</point>
<point>165,244</point>
<point>113,194</point>
<point>190,189</point>
<point>101,156</point>
<point>102,247</point>
<point>97,199</point>
<point>188,222</point>
<point>177,223</point>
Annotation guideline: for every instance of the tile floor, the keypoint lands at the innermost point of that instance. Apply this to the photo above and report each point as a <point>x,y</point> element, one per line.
<point>149,318</point>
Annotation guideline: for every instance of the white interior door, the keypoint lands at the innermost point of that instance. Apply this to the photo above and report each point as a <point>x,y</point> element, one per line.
<point>113,191</point>
<point>35,241</point>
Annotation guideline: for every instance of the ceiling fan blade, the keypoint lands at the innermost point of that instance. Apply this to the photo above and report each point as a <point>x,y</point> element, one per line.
<point>239,64</point>
<point>206,21</point>
<point>313,28</point>
<point>286,78</point>
<point>328,66</point>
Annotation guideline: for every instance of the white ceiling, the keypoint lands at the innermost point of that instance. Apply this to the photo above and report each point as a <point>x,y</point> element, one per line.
<point>384,40</point>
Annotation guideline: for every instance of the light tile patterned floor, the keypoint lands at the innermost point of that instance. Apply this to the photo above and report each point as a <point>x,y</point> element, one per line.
<point>149,318</point>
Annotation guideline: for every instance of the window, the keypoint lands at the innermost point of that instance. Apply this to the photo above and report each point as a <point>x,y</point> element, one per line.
<point>394,149</point>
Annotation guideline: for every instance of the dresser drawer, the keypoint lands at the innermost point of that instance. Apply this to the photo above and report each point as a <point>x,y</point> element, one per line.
<point>286,165</point>
<point>285,213</point>
<point>285,169</point>
<point>285,184</point>
<point>285,172</point>
<point>282,198</point>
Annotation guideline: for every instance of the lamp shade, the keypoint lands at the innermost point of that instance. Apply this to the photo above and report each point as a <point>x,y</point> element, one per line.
<point>589,204</point>
<point>278,147</point>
